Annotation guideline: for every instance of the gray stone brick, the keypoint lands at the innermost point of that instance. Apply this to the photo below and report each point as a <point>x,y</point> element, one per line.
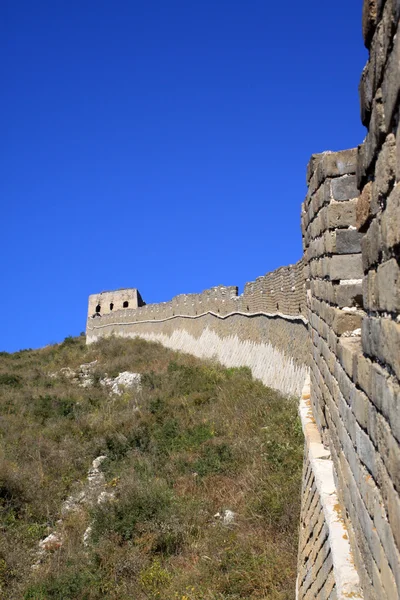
<point>366,451</point>
<point>348,241</point>
<point>344,188</point>
<point>384,173</point>
<point>389,286</point>
<point>375,138</point>
<point>348,294</point>
<point>391,220</point>
<point>363,210</point>
<point>365,90</point>
<point>391,82</point>
<point>346,266</point>
<point>347,350</point>
<point>371,245</point>
<point>341,214</point>
<point>362,373</point>
<point>370,291</point>
<point>389,450</point>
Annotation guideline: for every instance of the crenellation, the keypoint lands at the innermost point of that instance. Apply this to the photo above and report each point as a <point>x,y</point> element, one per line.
<point>333,317</point>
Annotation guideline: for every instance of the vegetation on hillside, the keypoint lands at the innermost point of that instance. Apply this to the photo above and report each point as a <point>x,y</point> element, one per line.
<point>197,439</point>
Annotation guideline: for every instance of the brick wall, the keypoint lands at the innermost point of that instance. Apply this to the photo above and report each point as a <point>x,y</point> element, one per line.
<point>264,328</point>
<point>351,252</point>
<point>335,316</point>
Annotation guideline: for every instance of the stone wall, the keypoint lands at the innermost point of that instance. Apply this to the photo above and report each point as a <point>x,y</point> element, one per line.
<point>108,302</point>
<point>334,315</point>
<point>351,252</point>
<point>264,328</point>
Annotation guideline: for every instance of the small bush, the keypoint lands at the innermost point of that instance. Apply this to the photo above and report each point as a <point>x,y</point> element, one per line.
<point>10,380</point>
<point>155,579</point>
<point>47,407</point>
<point>140,502</point>
<point>214,458</point>
<point>71,585</point>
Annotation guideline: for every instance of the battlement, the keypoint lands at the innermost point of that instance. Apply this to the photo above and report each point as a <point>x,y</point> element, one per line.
<point>327,329</point>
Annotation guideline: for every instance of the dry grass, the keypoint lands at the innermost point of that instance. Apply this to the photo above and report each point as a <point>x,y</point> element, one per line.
<point>204,439</point>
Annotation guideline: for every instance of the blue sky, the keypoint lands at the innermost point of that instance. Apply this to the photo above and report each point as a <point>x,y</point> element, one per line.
<point>161,145</point>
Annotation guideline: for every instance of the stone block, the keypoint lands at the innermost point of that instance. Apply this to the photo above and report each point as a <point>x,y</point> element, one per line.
<point>365,90</point>
<point>344,188</point>
<point>341,214</point>
<point>384,173</point>
<point>381,339</point>
<point>369,19</point>
<point>389,344</point>
<point>389,451</point>
<point>360,408</point>
<point>347,350</point>
<point>346,266</point>
<point>362,373</point>
<point>348,241</point>
<point>391,82</point>
<point>389,286</point>
<point>366,451</point>
<point>391,220</point>
<point>398,148</point>
<point>348,294</point>
<point>312,165</point>
<point>330,242</point>
<point>376,136</point>
<point>371,245</point>
<point>370,291</point>
<point>363,210</point>
<point>345,321</point>
<point>332,164</point>
<point>392,501</point>
<point>391,405</point>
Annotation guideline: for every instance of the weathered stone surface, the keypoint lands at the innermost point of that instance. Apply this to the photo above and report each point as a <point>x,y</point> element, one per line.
<point>365,90</point>
<point>363,210</point>
<point>381,339</point>
<point>341,214</point>
<point>333,164</point>
<point>348,241</point>
<point>384,173</point>
<point>346,266</point>
<point>391,220</point>
<point>367,152</point>
<point>371,11</point>
<point>344,188</point>
<point>389,286</point>
<point>345,321</point>
<point>371,245</point>
<point>370,291</point>
<point>348,294</point>
<point>391,82</point>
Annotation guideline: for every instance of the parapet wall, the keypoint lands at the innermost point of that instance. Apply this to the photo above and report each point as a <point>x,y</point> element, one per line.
<point>351,244</point>
<point>335,317</point>
<point>264,328</point>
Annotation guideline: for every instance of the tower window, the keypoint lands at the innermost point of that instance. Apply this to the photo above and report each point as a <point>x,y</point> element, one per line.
<point>125,304</point>
<point>111,305</point>
<point>98,308</point>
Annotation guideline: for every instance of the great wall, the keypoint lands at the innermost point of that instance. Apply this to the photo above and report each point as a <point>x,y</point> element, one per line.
<point>326,329</point>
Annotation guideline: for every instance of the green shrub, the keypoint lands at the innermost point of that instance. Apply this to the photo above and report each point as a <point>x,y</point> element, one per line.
<point>10,380</point>
<point>47,407</point>
<point>71,585</point>
<point>140,502</point>
<point>214,458</point>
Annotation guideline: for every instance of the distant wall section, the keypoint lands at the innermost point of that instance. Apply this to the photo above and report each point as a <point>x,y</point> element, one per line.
<point>264,328</point>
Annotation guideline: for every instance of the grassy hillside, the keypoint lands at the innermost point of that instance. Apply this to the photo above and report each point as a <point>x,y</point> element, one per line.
<point>197,439</point>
